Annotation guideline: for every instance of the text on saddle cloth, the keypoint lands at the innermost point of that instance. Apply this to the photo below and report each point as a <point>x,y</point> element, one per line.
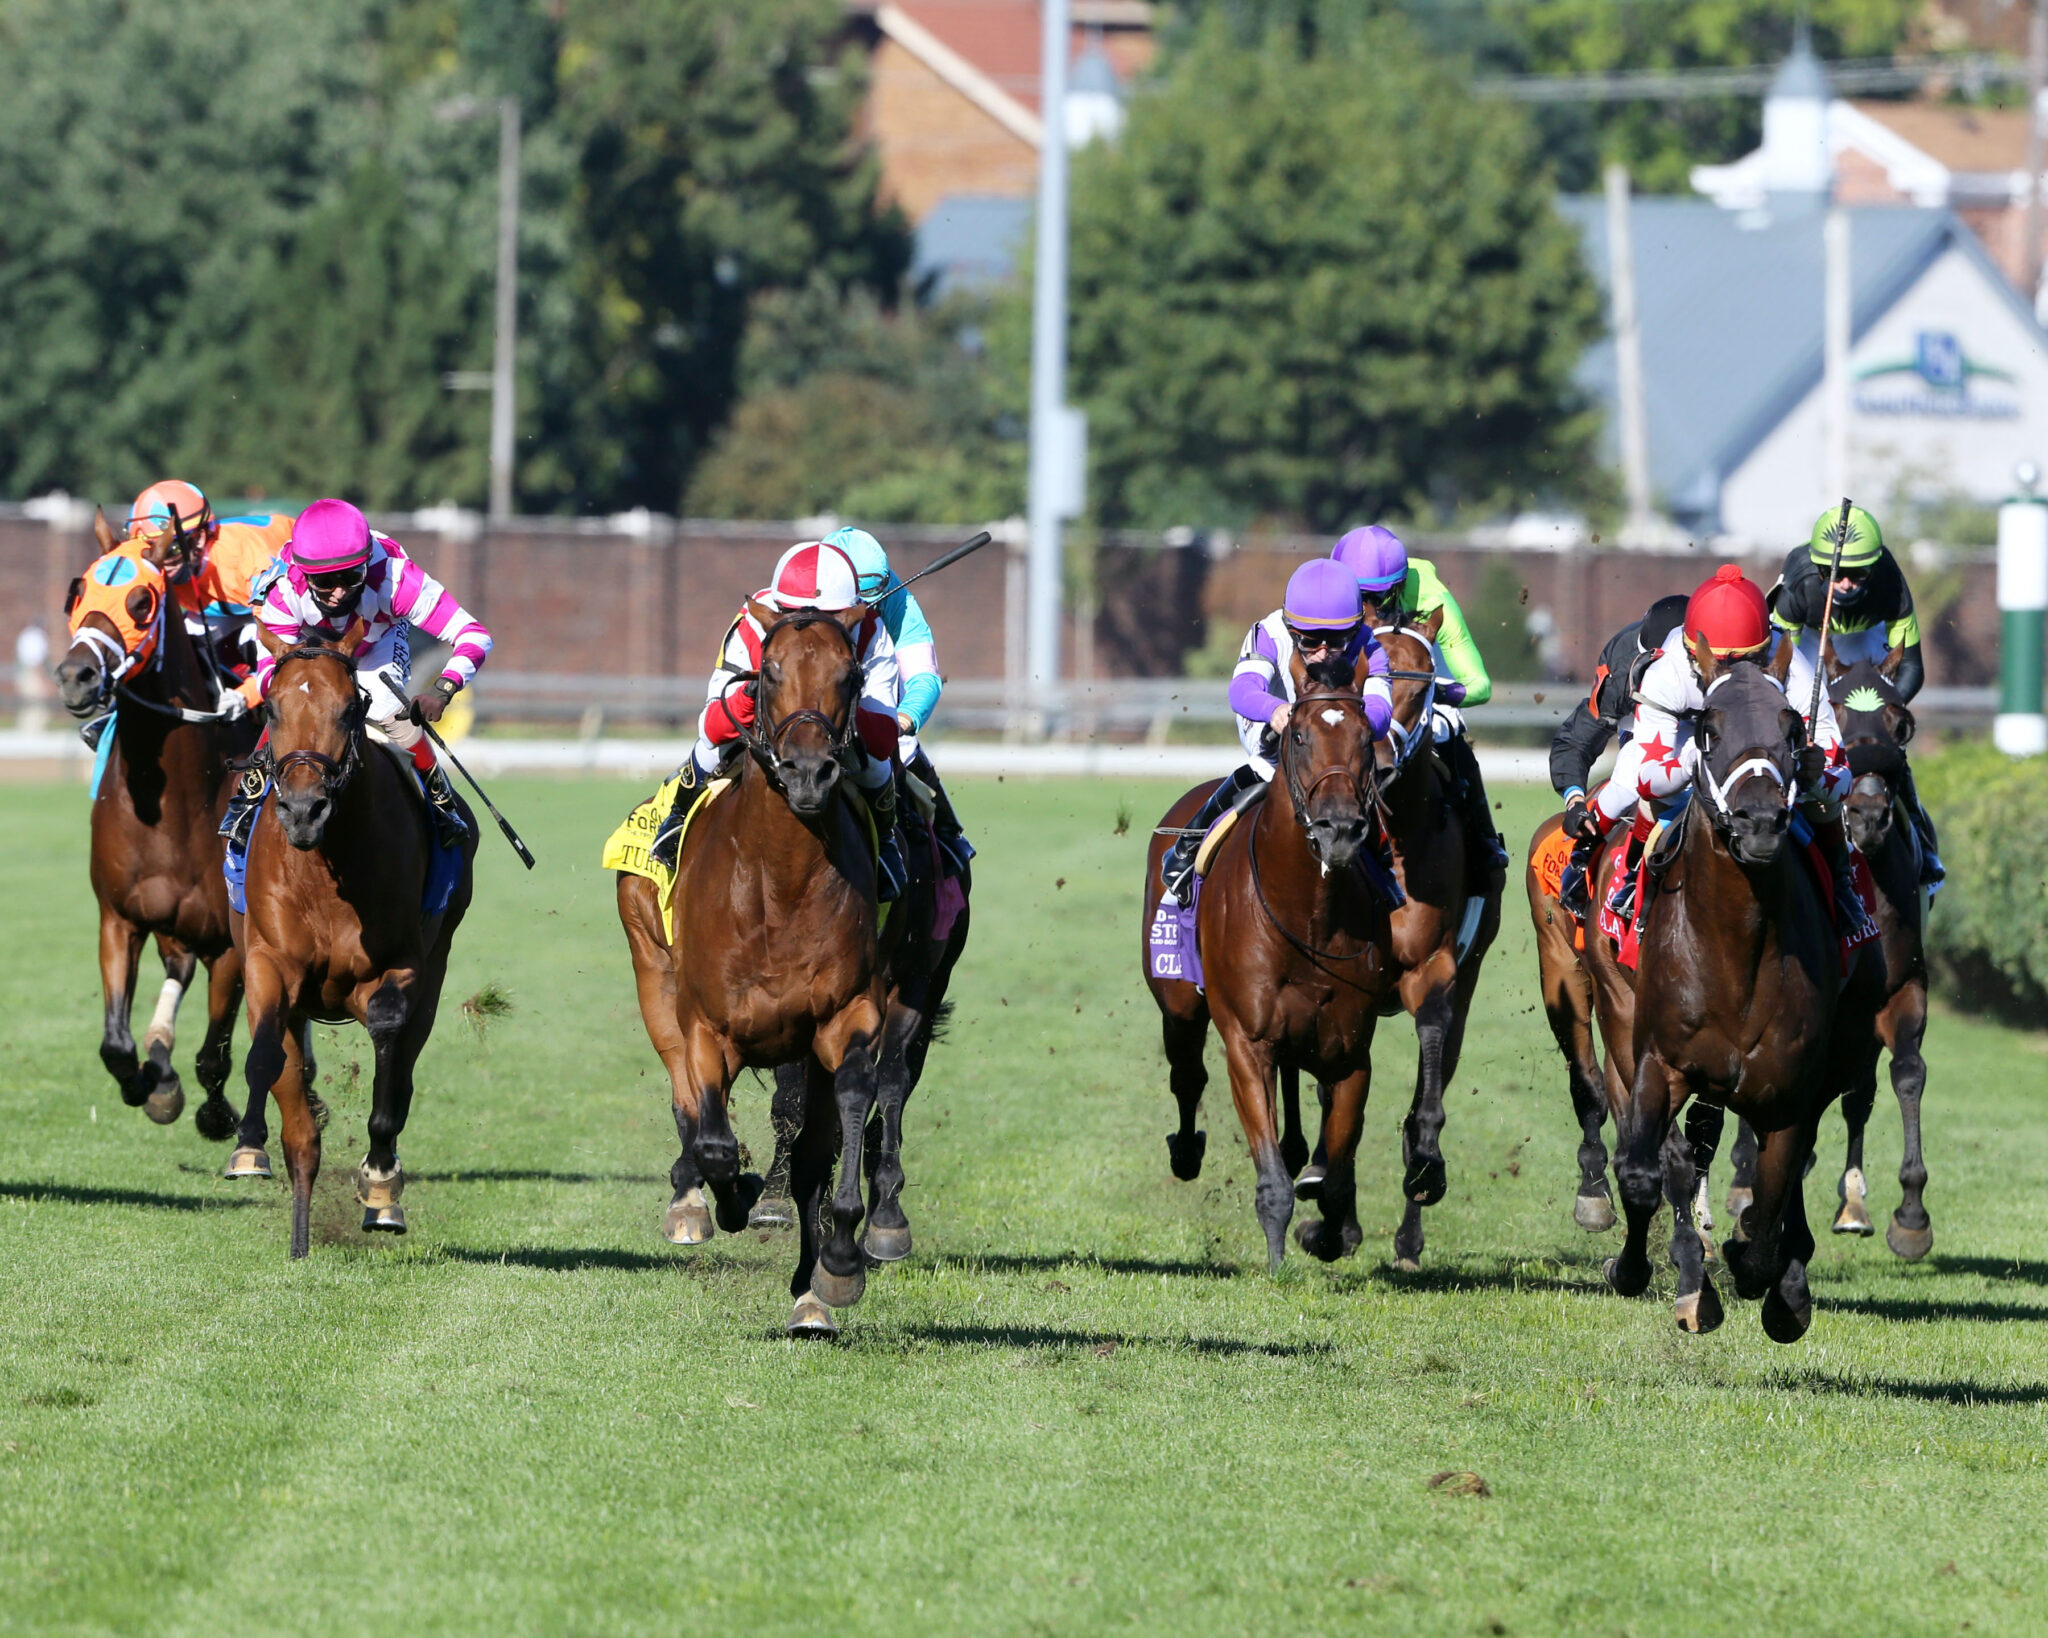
<point>629,847</point>
<point>1172,949</point>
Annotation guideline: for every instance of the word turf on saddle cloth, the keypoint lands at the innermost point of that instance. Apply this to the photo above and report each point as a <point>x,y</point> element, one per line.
<point>629,847</point>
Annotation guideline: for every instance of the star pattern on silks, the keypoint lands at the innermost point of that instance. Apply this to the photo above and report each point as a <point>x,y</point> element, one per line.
<point>1656,750</point>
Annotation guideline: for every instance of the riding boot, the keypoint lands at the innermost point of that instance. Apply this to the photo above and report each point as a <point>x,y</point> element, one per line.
<point>669,837</point>
<point>1177,869</point>
<point>1851,918</point>
<point>946,828</point>
<point>449,828</point>
<point>1463,763</point>
<point>1574,887</point>
<point>243,807</point>
<point>892,878</point>
<point>1932,872</point>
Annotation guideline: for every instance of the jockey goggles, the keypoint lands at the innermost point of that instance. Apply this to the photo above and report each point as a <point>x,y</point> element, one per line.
<point>1309,642</point>
<point>334,587</point>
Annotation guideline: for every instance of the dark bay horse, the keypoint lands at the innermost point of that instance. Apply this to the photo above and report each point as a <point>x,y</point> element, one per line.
<point>1297,952</point>
<point>1742,1001</point>
<point>338,867</point>
<point>776,957</point>
<point>156,857</point>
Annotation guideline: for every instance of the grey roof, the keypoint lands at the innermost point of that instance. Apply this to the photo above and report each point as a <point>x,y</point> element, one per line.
<point>1094,72</point>
<point>1729,305</point>
<point>1801,75</point>
<point>970,240</point>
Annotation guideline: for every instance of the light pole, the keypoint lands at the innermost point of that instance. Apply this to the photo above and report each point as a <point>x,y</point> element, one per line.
<point>504,403</point>
<point>1050,482</point>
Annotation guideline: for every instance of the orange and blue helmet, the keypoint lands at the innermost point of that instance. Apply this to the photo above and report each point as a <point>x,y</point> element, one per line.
<point>168,502</point>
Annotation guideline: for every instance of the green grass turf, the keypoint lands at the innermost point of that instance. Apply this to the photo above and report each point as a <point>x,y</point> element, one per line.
<point>1082,1404</point>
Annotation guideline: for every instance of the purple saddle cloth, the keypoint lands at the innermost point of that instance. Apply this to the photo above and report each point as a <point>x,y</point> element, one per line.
<point>1170,942</point>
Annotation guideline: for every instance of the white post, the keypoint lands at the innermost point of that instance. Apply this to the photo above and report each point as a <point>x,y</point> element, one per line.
<point>1048,362</point>
<point>502,404</point>
<point>1835,355</point>
<point>1628,359</point>
<point>2020,728</point>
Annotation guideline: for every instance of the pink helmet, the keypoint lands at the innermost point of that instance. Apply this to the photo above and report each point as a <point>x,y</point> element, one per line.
<point>812,575</point>
<point>329,536</point>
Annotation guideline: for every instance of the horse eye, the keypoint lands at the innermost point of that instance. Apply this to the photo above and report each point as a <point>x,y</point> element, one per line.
<point>1299,737</point>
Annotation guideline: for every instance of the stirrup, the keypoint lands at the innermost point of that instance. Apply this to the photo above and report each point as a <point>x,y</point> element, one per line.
<point>447,818</point>
<point>890,878</point>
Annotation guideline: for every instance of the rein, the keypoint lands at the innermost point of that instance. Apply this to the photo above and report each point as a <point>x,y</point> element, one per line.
<point>1754,763</point>
<point>1404,740</point>
<point>117,664</point>
<point>335,772</point>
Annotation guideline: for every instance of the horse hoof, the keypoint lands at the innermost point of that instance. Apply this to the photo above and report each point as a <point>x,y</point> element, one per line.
<point>1853,1219</point>
<point>839,1290</point>
<point>247,1162</point>
<point>1184,1154</point>
<point>1594,1213</point>
<point>1909,1243</point>
<point>166,1103</point>
<point>687,1221</point>
<point>376,1190</point>
<point>1407,1265</point>
<point>737,1202</point>
<point>1624,1282</point>
<point>1707,1248</point>
<point>1783,1322</point>
<point>1739,1201</point>
<point>812,1320</point>
<point>1309,1186</point>
<point>772,1211</point>
<point>1700,1312</point>
<point>384,1219</point>
<point>214,1119</point>
<point>1426,1182</point>
<point>886,1245</point>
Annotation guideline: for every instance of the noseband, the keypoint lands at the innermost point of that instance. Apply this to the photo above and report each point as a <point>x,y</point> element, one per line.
<point>765,744</point>
<point>335,772</point>
<point>1300,795</point>
<point>1756,762</point>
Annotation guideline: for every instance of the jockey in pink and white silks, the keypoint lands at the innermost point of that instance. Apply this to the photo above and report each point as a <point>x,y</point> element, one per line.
<point>1323,621</point>
<point>810,575</point>
<point>336,571</point>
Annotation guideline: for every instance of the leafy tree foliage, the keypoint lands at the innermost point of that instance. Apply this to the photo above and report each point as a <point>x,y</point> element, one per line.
<point>1320,286</point>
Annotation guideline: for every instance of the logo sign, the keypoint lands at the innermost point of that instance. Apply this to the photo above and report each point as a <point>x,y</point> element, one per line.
<point>1941,380</point>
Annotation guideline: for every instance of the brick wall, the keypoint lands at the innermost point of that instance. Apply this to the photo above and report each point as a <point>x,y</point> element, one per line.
<point>934,141</point>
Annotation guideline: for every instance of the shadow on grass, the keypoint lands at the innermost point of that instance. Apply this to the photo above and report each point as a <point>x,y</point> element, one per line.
<point>1938,1393</point>
<point>571,1259</point>
<point>78,1194</point>
<point>1007,1262</point>
<point>1584,1281</point>
<point>1045,1336</point>
<point>518,1175</point>
<point>1917,1308</point>
<point>2016,1269</point>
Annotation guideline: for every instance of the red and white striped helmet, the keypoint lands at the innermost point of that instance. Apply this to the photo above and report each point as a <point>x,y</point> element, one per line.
<point>812,575</point>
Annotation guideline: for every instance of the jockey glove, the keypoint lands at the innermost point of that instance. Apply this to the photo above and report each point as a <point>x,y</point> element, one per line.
<point>429,706</point>
<point>1811,768</point>
<point>1575,814</point>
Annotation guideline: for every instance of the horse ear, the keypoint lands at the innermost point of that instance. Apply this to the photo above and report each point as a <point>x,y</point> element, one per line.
<point>1363,669</point>
<point>103,531</point>
<point>1888,667</point>
<point>1899,722</point>
<point>1829,659</point>
<point>1704,659</point>
<point>1431,626</point>
<point>352,638</point>
<point>1298,672</point>
<point>851,618</point>
<point>1780,663</point>
<point>761,614</point>
<point>271,641</point>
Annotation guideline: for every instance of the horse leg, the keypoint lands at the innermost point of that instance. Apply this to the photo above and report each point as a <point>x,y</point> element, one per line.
<point>810,1172</point>
<point>214,1119</point>
<point>840,1277</point>
<point>276,1068</point>
<point>1704,1123</point>
<point>1568,1007</point>
<point>391,1015</point>
<point>1851,1189</point>
<point>1186,1039</point>
<point>1337,1234</point>
<point>1293,1146</point>
<point>165,1100</point>
<point>1251,1089</point>
<point>1781,1204</point>
<point>887,1239</point>
<point>1308,1182</point>
<point>120,955</point>
<point>1742,1182</point>
<point>1639,1168</point>
<point>1423,1179</point>
<point>1756,1262</point>
<point>1903,1022</point>
<point>1698,1307</point>
<point>777,1208</point>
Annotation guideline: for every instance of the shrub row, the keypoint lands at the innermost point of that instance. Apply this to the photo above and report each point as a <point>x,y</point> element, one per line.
<point>1988,936</point>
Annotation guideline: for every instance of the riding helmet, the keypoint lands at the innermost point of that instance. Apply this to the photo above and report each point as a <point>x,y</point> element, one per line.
<point>1728,615</point>
<point>1863,547</point>
<point>1321,596</point>
<point>330,535</point>
<point>168,500</point>
<point>813,575</point>
<point>1375,557</point>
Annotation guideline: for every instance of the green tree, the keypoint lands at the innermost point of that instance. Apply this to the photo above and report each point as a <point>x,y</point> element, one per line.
<point>1322,286</point>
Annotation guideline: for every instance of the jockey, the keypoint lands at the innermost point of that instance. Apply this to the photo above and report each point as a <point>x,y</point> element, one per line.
<point>1322,619</point>
<point>810,575</point>
<point>336,571</point>
<point>917,670</point>
<point>1609,709</point>
<point>1727,616</point>
<point>1872,615</point>
<point>1393,584</point>
<point>212,565</point>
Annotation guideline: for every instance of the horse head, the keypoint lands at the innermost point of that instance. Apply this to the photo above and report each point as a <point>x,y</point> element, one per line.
<point>316,715</point>
<point>1875,726</point>
<point>1748,739</point>
<point>1411,675</point>
<point>1326,758</point>
<point>113,611</point>
<point>804,696</point>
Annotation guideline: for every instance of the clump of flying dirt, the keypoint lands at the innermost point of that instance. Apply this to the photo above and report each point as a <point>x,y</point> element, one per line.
<point>491,1001</point>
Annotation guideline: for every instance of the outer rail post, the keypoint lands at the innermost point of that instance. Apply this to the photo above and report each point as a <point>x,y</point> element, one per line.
<point>2021,729</point>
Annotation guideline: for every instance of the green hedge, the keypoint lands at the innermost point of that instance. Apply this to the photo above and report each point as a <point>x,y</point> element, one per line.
<point>1988,938</point>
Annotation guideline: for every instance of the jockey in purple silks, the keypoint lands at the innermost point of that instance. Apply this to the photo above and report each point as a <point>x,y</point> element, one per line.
<point>1323,621</point>
<point>1397,587</point>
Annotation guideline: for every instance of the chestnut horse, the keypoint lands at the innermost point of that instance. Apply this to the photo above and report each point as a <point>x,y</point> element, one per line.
<point>1297,953</point>
<point>776,956</point>
<point>156,857</point>
<point>338,867</point>
<point>1741,1000</point>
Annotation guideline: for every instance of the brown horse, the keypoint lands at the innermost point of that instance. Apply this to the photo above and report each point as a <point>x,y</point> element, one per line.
<point>338,866</point>
<point>776,957</point>
<point>1742,1000</point>
<point>1297,952</point>
<point>156,857</point>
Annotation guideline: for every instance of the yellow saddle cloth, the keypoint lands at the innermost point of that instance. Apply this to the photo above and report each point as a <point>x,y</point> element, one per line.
<point>627,847</point>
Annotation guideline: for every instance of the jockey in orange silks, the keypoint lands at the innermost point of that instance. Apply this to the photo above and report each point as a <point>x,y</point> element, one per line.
<point>810,575</point>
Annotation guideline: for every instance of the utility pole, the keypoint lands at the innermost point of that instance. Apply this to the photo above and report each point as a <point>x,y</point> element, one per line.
<point>1051,483</point>
<point>503,408</point>
<point>1628,359</point>
<point>1836,320</point>
<point>2037,81</point>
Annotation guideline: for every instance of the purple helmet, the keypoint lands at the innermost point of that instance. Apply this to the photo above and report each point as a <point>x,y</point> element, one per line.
<point>1321,596</point>
<point>1375,557</point>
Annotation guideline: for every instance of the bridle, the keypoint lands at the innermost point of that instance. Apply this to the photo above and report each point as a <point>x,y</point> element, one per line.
<point>118,664</point>
<point>335,772</point>
<point>764,743</point>
<point>1755,763</point>
<point>1405,740</point>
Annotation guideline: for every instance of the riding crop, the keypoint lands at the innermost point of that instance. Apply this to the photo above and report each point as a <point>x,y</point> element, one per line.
<point>511,835</point>
<point>933,567</point>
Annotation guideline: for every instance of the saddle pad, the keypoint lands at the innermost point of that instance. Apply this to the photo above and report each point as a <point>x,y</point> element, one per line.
<point>626,848</point>
<point>1172,948</point>
<point>1824,878</point>
<point>1552,854</point>
<point>444,861</point>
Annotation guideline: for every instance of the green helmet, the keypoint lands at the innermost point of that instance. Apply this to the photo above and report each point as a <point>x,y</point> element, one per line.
<point>1864,546</point>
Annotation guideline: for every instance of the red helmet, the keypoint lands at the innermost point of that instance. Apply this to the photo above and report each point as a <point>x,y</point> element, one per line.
<point>1728,615</point>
